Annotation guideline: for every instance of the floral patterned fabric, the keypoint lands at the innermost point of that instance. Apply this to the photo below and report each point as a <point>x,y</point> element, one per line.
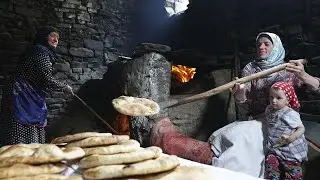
<point>258,90</point>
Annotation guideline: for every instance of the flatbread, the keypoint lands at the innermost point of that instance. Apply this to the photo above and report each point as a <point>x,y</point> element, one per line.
<point>161,164</point>
<point>46,153</point>
<point>123,158</point>
<point>99,141</point>
<point>133,106</point>
<point>46,177</point>
<point>180,172</point>
<point>30,170</point>
<point>32,145</point>
<point>122,147</point>
<point>78,136</point>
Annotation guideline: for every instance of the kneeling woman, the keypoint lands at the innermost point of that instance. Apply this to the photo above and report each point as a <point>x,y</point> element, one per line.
<point>239,146</point>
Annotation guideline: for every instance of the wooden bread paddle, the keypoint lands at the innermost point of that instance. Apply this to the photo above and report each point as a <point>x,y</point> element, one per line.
<point>135,104</point>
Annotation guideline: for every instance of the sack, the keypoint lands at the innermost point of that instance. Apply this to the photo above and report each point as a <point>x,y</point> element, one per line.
<point>29,105</point>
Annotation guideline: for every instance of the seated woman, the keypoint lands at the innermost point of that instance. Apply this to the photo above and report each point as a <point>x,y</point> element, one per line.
<point>239,146</point>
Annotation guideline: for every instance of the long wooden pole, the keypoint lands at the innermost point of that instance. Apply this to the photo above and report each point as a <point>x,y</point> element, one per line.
<point>224,87</point>
<point>97,115</point>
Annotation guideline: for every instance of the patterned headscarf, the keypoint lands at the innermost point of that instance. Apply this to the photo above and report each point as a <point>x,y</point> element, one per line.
<point>276,57</point>
<point>289,92</point>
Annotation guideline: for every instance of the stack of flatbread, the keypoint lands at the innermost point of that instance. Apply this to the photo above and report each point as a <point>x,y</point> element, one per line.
<point>110,156</point>
<point>37,162</point>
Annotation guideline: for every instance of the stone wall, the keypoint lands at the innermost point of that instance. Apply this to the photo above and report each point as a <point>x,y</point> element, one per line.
<point>93,33</point>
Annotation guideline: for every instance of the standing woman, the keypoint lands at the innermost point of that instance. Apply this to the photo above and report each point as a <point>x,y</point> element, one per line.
<point>23,108</point>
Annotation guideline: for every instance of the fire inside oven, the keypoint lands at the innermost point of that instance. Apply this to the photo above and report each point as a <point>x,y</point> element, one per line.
<point>182,73</point>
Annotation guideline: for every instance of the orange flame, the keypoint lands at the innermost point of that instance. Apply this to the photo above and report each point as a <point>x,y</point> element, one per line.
<point>183,73</point>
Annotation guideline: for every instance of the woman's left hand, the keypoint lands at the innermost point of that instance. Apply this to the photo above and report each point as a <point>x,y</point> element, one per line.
<point>296,67</point>
<point>288,139</point>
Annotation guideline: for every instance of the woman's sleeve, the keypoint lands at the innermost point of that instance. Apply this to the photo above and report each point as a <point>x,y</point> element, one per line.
<point>246,72</point>
<point>318,89</point>
<point>43,69</point>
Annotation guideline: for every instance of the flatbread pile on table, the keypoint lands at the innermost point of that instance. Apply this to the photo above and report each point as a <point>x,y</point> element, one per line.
<point>134,106</point>
<point>110,156</point>
<point>37,162</point>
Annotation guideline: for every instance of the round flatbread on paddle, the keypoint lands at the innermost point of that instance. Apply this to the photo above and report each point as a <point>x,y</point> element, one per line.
<point>133,106</point>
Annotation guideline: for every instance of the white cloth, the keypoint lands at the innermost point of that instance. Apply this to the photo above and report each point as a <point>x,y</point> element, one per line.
<point>239,147</point>
<point>218,173</point>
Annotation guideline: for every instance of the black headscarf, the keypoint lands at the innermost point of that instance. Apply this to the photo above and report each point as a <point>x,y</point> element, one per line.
<point>42,35</point>
<point>40,43</point>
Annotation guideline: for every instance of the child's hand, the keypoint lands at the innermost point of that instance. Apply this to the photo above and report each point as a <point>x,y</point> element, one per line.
<point>287,139</point>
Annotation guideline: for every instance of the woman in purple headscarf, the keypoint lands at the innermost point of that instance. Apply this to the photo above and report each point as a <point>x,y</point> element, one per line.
<point>240,145</point>
<point>23,109</point>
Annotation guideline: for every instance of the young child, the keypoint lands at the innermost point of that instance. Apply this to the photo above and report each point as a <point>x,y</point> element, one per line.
<point>287,147</point>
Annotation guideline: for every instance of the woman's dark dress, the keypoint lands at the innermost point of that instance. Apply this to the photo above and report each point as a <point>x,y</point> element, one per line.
<point>37,70</point>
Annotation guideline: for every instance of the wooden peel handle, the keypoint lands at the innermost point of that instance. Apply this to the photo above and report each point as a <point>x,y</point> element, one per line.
<point>226,87</point>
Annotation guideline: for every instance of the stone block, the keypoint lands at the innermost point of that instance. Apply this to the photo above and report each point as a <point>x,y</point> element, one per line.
<point>64,25</point>
<point>83,8</point>
<point>110,57</point>
<point>81,52</point>
<point>92,10</point>
<point>77,59</point>
<point>77,2</point>
<point>74,77</point>
<point>76,64</point>
<point>97,75</point>
<point>86,70</point>
<point>62,50</point>
<point>77,70</point>
<point>89,5</point>
<point>98,54</point>
<point>94,45</point>
<point>84,17</point>
<point>63,67</point>
<point>84,77</point>
<point>70,15</point>
<point>68,5</point>
<point>63,10</point>
<point>94,65</point>
<point>79,26</point>
<point>59,14</point>
<point>76,43</point>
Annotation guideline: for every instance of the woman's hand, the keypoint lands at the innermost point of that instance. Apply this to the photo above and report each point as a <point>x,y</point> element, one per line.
<point>68,90</point>
<point>237,87</point>
<point>287,139</point>
<point>296,67</point>
<point>239,92</point>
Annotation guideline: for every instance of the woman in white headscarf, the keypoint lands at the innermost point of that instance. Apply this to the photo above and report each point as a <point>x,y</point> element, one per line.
<point>239,146</point>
